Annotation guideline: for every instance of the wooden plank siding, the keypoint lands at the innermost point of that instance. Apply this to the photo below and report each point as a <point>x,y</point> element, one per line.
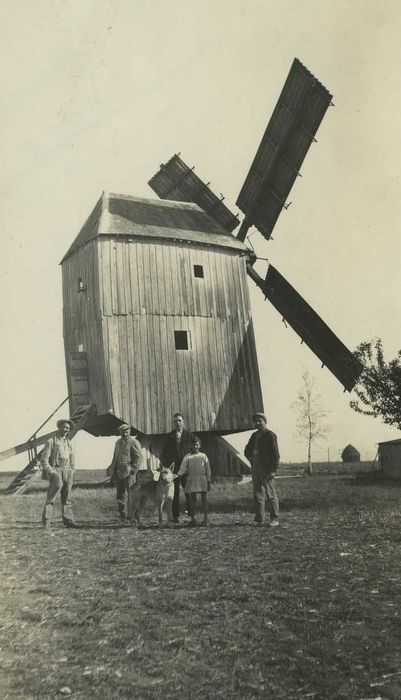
<point>154,292</point>
<point>81,319</point>
<point>138,291</point>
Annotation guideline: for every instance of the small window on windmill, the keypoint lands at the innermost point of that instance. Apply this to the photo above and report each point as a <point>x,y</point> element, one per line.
<point>198,271</point>
<point>182,340</point>
<point>80,347</point>
<point>81,285</point>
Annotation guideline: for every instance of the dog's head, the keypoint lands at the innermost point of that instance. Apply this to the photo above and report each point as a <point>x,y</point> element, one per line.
<point>166,475</point>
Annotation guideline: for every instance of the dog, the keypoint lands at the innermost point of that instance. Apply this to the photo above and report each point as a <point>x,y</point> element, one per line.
<point>159,493</point>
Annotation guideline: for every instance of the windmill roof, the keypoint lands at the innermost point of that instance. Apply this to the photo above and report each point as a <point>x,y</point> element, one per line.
<point>397,441</point>
<point>123,215</point>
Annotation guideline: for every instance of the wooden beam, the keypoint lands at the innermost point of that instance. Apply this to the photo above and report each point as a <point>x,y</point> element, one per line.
<point>25,446</point>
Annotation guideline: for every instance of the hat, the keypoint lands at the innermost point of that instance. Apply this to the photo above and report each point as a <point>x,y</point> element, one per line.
<point>65,420</point>
<point>123,426</point>
<point>259,415</point>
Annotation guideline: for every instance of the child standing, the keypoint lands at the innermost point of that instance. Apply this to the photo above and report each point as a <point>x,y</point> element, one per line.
<point>195,466</point>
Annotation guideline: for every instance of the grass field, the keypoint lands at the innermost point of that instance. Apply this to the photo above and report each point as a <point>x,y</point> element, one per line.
<point>308,610</point>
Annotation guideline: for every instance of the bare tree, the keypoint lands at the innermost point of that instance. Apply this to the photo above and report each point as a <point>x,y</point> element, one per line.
<point>311,416</point>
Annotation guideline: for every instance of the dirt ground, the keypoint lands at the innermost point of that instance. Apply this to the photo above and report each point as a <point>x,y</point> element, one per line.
<point>308,610</point>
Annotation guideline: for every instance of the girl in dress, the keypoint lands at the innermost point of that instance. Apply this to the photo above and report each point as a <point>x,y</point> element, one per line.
<point>195,466</point>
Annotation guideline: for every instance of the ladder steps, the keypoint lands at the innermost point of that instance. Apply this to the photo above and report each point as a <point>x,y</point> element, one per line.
<point>29,473</point>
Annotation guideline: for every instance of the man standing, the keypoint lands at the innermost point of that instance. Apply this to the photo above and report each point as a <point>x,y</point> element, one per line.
<point>57,462</point>
<point>127,459</point>
<point>177,444</point>
<point>262,452</point>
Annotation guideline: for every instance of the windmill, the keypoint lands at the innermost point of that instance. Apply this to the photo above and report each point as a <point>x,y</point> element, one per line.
<point>291,130</point>
<point>156,309</point>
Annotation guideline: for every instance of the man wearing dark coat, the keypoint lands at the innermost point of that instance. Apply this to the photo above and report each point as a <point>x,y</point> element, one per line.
<point>176,445</point>
<point>262,452</point>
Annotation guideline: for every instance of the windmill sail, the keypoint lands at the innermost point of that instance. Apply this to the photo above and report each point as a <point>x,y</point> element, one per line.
<point>176,181</point>
<point>311,328</point>
<point>291,130</point>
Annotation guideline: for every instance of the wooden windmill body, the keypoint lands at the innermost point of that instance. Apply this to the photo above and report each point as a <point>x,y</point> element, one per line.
<point>157,319</point>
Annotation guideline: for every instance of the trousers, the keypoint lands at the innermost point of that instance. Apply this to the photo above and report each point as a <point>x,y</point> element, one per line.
<point>176,497</point>
<point>264,493</point>
<point>61,480</point>
<point>122,492</point>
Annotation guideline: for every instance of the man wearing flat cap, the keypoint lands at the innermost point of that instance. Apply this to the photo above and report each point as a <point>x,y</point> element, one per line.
<point>57,462</point>
<point>126,462</point>
<point>262,452</point>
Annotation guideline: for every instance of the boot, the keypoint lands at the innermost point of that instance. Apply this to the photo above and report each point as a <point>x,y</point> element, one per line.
<point>68,522</point>
<point>47,516</point>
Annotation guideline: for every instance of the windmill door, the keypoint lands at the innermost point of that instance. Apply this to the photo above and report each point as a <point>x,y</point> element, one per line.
<point>78,381</point>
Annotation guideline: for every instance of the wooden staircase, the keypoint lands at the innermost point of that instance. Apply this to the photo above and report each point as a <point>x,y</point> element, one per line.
<point>32,472</point>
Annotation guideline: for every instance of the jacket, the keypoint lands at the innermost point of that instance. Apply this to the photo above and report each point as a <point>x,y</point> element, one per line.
<point>50,457</point>
<point>126,461</point>
<point>269,455</point>
<point>170,454</point>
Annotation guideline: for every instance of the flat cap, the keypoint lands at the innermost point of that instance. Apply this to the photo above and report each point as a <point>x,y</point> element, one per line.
<point>123,426</point>
<point>259,415</point>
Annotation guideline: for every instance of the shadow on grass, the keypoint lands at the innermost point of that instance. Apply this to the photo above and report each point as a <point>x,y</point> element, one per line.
<point>185,527</point>
<point>81,525</point>
<point>374,478</point>
<point>242,505</point>
<point>85,485</point>
<point>99,525</point>
<point>24,526</point>
<point>245,505</point>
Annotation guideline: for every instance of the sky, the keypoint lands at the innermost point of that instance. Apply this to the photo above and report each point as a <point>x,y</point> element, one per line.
<point>97,93</point>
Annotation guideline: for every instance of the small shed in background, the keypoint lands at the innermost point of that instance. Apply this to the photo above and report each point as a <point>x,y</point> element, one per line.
<point>389,454</point>
<point>350,454</point>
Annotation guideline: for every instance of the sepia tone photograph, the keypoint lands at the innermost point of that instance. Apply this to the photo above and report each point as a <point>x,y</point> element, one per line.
<point>200,446</point>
